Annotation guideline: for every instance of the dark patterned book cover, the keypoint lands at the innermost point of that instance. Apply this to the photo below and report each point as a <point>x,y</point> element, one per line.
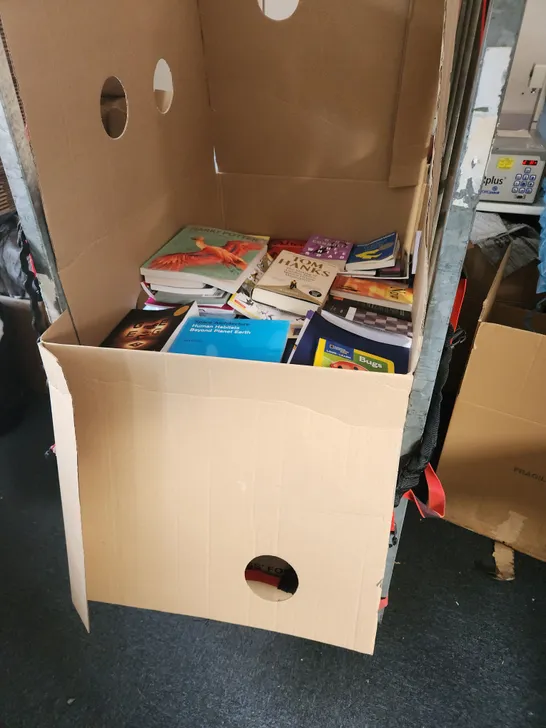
<point>362,314</point>
<point>148,330</point>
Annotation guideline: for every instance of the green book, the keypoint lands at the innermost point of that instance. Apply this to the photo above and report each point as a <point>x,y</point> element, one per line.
<point>220,258</point>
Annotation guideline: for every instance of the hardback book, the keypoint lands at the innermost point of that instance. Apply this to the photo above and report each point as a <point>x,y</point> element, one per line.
<point>363,314</point>
<point>337,356</point>
<point>276,246</point>
<point>219,258</point>
<point>295,283</point>
<point>318,328</point>
<point>373,290</point>
<point>333,251</point>
<point>380,253</point>
<point>237,339</point>
<point>150,330</point>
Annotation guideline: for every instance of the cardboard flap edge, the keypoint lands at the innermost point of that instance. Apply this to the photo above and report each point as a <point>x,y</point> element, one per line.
<point>67,461</point>
<point>419,75</point>
<point>493,291</point>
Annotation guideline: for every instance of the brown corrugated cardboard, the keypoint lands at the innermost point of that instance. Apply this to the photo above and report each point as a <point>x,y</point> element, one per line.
<point>314,85</point>
<point>493,465</point>
<point>412,130</point>
<point>308,119</point>
<point>170,521</point>
<point>517,289</point>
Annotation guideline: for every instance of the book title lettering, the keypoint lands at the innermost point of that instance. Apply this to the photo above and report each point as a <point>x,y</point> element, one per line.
<point>304,264</point>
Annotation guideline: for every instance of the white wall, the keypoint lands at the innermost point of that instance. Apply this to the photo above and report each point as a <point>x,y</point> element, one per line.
<point>519,102</point>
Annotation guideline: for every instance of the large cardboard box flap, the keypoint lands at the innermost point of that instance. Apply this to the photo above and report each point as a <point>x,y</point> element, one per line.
<point>340,90</point>
<point>251,459</point>
<point>493,465</point>
<point>177,471</point>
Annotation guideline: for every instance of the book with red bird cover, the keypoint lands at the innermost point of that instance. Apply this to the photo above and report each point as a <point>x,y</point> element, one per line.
<point>219,258</point>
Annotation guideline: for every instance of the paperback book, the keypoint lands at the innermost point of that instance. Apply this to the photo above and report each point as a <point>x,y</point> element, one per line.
<point>295,283</point>
<point>336,356</point>
<point>317,328</point>
<point>237,339</point>
<point>218,258</point>
<point>362,313</point>
<point>380,253</point>
<point>150,330</point>
<point>399,271</point>
<point>369,332</point>
<point>374,291</point>
<point>333,251</point>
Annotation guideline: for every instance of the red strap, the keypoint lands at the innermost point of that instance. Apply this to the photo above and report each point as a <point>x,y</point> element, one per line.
<point>483,21</point>
<point>393,523</point>
<point>436,492</point>
<point>436,505</point>
<point>384,603</point>
<point>458,303</point>
<point>257,575</point>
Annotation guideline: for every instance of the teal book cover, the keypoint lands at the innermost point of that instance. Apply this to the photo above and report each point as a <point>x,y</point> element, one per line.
<point>239,339</point>
<point>208,253</point>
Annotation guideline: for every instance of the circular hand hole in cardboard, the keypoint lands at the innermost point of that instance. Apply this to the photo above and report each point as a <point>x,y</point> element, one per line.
<point>163,86</point>
<point>114,107</point>
<point>278,9</point>
<point>271,578</point>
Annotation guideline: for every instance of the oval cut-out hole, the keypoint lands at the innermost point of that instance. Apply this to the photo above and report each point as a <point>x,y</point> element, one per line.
<point>113,107</point>
<point>278,9</point>
<point>163,86</point>
<point>271,578</point>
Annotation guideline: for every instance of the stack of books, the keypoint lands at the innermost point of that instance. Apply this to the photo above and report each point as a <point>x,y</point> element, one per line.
<point>204,265</point>
<point>322,302</point>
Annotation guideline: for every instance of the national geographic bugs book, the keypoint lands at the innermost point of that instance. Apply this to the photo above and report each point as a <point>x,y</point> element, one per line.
<point>336,356</point>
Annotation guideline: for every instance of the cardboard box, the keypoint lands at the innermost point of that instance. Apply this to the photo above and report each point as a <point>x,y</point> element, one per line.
<point>493,465</point>
<point>517,289</point>
<point>177,472</point>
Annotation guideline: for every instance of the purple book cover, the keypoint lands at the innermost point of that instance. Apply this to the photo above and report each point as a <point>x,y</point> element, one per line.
<point>328,249</point>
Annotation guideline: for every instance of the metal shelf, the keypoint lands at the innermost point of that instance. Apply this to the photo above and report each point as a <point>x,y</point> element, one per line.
<point>511,208</point>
